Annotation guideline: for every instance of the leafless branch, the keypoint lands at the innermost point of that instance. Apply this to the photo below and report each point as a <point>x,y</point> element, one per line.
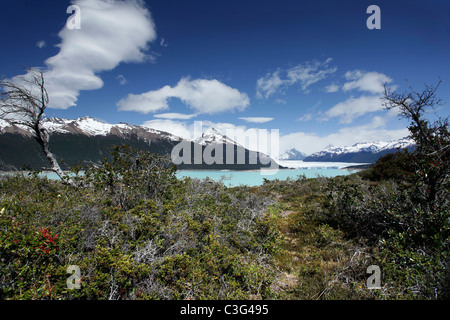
<point>23,101</point>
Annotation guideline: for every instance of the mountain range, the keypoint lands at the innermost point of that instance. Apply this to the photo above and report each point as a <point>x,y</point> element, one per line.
<point>364,152</point>
<point>87,140</point>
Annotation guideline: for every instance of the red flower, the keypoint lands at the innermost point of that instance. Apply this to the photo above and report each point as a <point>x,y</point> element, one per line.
<point>49,238</point>
<point>44,232</point>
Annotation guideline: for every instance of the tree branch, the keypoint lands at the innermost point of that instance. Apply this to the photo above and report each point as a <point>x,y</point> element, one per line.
<point>23,101</point>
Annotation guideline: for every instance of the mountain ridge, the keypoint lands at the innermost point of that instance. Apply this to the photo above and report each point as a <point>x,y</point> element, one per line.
<point>87,140</point>
<point>362,152</point>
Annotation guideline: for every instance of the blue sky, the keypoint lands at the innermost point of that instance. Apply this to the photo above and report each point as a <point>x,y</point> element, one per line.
<point>311,69</point>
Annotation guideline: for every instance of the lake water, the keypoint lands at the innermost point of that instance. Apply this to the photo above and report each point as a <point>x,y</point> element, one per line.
<point>256,178</point>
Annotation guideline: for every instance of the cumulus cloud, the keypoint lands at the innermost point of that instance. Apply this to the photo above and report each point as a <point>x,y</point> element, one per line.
<point>365,81</point>
<point>353,108</point>
<point>112,32</point>
<point>372,86</point>
<point>202,95</point>
<point>304,74</point>
<point>257,119</point>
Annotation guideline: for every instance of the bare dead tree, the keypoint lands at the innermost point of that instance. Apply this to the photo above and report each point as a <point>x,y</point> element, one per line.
<point>23,101</point>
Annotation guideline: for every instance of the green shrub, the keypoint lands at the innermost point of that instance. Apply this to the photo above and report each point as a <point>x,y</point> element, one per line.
<point>396,166</point>
<point>135,232</point>
<point>411,238</point>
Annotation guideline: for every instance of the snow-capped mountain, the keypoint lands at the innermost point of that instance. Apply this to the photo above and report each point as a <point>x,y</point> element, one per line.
<point>293,154</point>
<point>364,152</point>
<point>77,141</point>
<point>90,127</point>
<point>213,135</point>
<point>89,140</point>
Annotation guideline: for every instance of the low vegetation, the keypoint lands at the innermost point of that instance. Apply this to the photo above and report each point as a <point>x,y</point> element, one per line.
<point>135,231</point>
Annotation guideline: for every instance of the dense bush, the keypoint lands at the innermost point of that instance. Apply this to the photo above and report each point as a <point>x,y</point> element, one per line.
<point>410,237</point>
<point>135,232</point>
<point>396,166</point>
<point>337,227</point>
<point>401,206</point>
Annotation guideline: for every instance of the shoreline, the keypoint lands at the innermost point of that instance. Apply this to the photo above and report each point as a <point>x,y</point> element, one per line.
<point>349,168</point>
<point>358,167</point>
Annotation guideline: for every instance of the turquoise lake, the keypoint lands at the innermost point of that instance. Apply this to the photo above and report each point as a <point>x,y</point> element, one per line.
<point>256,178</point>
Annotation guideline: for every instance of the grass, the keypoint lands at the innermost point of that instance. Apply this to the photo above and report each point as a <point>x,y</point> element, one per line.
<point>316,262</point>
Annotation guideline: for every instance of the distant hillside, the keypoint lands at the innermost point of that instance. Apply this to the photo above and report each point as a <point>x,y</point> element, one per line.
<point>87,140</point>
<point>360,152</point>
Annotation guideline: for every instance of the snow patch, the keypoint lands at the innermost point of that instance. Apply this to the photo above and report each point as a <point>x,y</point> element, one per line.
<point>373,147</point>
<point>93,127</point>
<point>213,135</point>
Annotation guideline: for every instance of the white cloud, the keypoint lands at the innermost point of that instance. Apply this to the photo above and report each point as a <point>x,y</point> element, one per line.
<point>177,128</point>
<point>280,101</point>
<point>306,117</point>
<point>257,119</point>
<point>332,88</point>
<point>369,81</point>
<point>305,74</point>
<point>202,95</point>
<point>310,113</point>
<point>122,79</point>
<point>40,44</point>
<point>353,108</point>
<point>111,32</point>
<point>268,85</point>
<point>151,101</point>
<point>173,115</point>
<point>163,43</point>
<point>309,73</point>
